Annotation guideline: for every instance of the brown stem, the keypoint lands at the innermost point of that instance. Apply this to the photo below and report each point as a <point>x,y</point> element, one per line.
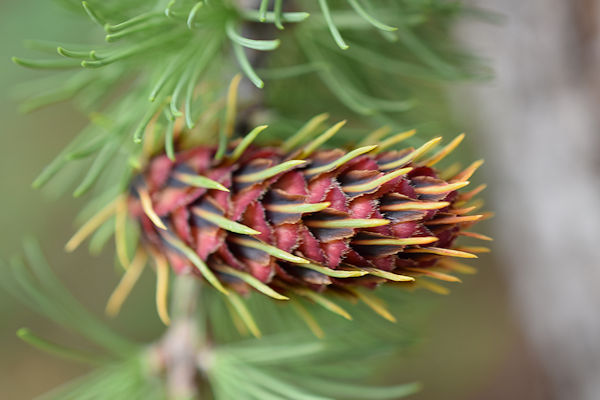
<point>182,346</point>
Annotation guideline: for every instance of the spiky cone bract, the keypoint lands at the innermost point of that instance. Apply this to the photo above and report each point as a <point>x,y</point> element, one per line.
<point>304,221</point>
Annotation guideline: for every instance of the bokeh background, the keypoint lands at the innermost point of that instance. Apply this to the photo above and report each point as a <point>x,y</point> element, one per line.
<point>526,326</point>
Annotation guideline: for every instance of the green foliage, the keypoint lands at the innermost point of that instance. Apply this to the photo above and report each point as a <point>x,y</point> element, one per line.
<point>125,379</point>
<point>288,362</point>
<point>255,372</point>
<point>174,58</point>
<point>39,289</point>
<point>384,62</point>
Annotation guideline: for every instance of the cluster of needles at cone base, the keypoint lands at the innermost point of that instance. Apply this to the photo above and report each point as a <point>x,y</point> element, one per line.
<point>391,170</point>
<point>135,267</point>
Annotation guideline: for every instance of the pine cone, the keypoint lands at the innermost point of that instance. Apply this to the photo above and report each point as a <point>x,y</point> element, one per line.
<point>291,221</point>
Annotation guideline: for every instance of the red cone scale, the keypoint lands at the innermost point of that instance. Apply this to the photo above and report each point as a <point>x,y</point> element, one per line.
<point>318,220</point>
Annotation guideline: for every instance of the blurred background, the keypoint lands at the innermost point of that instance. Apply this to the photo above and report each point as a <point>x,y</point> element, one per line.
<point>526,326</point>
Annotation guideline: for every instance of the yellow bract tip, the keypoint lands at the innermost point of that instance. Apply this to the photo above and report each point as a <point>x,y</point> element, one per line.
<point>444,151</point>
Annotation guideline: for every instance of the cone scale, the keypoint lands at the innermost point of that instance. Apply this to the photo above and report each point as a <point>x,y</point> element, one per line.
<point>317,220</point>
